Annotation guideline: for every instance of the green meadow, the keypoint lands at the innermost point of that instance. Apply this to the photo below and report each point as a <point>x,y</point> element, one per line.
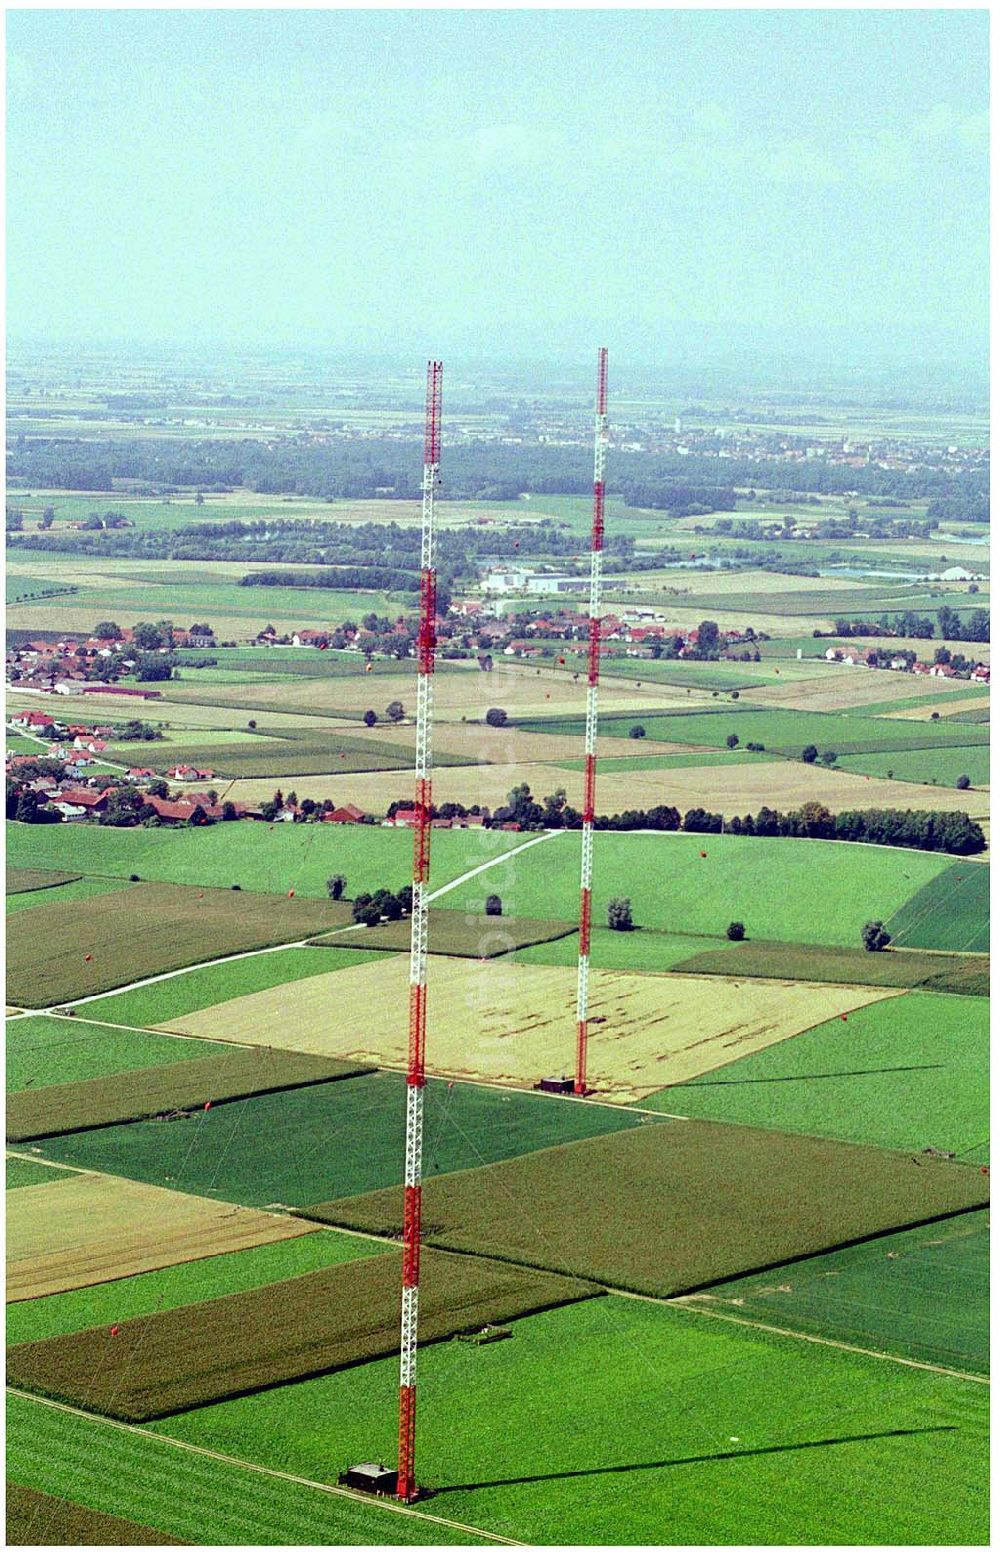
<point>697,884</point>
<point>908,1072</point>
<point>709,1434</point>
<point>44,1051</point>
<point>922,1293</point>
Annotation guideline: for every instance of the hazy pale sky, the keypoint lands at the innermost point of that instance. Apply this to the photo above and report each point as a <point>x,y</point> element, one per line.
<point>499,180</point>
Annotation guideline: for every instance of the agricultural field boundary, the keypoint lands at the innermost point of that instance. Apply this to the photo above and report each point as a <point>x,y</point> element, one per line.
<point>34,1516</point>
<point>690,1303</point>
<point>199,1354</point>
<point>725,1174</point>
<point>281,947</point>
<point>63,1109</point>
<point>24,879</point>
<point>406,1511</point>
<point>54,958</point>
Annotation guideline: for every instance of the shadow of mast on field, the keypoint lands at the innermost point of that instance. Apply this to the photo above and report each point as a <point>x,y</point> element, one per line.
<point>689,1461</point>
<point>808,1077</point>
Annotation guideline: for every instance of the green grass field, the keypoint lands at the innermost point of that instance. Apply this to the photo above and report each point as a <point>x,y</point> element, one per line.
<point>44,1051</point>
<point>928,766</point>
<point>261,857</point>
<point>329,1319</point>
<point>712,1434</point>
<point>190,991</point>
<point>695,883</point>
<point>674,1204</point>
<point>910,1072</point>
<point>186,1494</point>
<point>720,675</point>
<point>21,1172</point>
<point>191,1282</point>
<point>336,1139</point>
<point>951,912</point>
<point>785,731</point>
<point>63,893</point>
<point>922,1294</point>
<point>147,929</point>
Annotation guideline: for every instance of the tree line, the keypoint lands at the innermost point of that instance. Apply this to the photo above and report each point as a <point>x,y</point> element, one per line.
<point>371,468</point>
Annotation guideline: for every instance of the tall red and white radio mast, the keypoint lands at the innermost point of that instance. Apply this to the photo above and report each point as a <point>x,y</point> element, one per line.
<point>406,1487</point>
<point>590,741</point>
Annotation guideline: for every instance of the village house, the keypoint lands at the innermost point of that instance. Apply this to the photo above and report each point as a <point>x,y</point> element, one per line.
<point>344,814</point>
<point>187,772</point>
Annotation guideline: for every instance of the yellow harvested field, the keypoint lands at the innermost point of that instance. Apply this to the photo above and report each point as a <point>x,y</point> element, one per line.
<point>513,1023</point>
<point>512,745</point>
<point>732,788</point>
<point>521,691</point>
<point>852,688</point>
<point>87,1229</point>
<point>744,583</point>
<point>951,706</point>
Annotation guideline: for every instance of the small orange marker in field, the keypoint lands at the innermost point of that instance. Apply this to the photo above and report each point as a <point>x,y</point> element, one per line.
<point>703,854</point>
<point>115,1330</point>
<point>291,893</point>
<point>87,957</point>
<point>208,1104</point>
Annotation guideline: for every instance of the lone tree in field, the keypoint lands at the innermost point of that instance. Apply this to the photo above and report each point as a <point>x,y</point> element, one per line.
<point>809,754</point>
<point>496,716</point>
<point>620,915</point>
<point>736,931</point>
<point>335,886</point>
<point>370,718</point>
<point>963,782</point>
<point>494,906</point>
<point>874,936</point>
<point>394,711</point>
<point>637,732</point>
<point>732,740</point>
